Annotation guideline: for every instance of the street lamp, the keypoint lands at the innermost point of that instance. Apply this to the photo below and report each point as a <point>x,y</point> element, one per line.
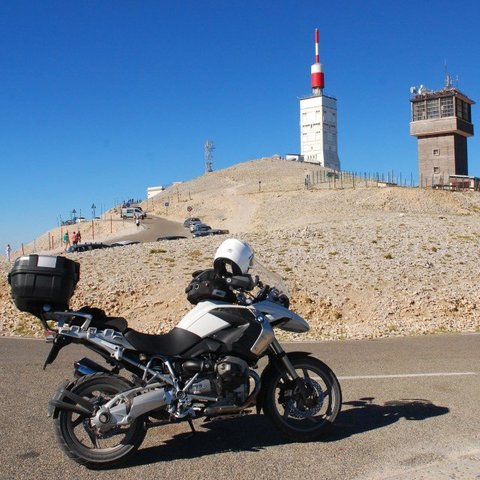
<point>93,210</point>
<point>73,214</point>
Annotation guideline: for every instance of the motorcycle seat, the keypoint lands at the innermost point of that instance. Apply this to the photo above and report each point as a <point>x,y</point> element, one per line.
<point>173,343</point>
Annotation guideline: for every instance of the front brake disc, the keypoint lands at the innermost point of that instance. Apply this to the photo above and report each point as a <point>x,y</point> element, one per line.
<point>299,408</point>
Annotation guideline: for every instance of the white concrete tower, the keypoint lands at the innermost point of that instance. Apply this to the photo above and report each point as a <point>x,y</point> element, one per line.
<point>318,120</point>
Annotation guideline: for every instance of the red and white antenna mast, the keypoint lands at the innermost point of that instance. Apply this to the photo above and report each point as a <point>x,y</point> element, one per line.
<point>317,77</point>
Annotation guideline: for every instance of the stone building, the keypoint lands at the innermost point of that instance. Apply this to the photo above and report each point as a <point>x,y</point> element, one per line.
<point>441,120</point>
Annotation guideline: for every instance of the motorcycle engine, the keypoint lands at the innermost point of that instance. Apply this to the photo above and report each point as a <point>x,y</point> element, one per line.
<point>229,380</point>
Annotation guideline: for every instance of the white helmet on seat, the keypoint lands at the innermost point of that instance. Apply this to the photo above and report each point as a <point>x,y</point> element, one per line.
<point>236,253</point>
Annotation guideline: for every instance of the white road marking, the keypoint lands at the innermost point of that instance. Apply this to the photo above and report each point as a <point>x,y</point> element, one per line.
<point>405,375</point>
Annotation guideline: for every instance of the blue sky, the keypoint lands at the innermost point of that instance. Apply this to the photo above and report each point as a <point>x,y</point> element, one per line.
<point>100,99</point>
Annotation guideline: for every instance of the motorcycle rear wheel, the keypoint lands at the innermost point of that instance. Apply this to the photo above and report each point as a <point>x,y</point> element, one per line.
<point>80,440</point>
<point>302,410</point>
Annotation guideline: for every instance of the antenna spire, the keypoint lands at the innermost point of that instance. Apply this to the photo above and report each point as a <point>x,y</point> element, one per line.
<point>448,78</point>
<point>317,76</point>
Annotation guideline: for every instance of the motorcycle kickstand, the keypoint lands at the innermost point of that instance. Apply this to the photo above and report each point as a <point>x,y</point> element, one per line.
<point>192,427</point>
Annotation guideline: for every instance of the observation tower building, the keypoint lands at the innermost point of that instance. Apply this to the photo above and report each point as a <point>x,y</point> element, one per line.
<point>318,120</point>
<point>441,120</point>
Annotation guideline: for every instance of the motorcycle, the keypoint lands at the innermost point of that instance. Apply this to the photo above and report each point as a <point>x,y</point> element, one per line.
<point>205,367</point>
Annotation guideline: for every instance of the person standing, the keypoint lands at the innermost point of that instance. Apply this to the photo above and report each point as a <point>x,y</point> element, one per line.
<point>79,237</point>
<point>8,251</point>
<point>66,240</point>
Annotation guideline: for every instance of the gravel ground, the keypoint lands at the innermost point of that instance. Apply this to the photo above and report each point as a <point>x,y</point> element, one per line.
<point>363,262</point>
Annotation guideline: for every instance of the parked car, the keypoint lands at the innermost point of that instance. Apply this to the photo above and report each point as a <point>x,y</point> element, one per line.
<point>190,221</point>
<point>81,219</point>
<point>199,226</point>
<point>84,247</point>
<point>171,237</point>
<point>133,212</point>
<point>211,231</point>
<point>123,243</point>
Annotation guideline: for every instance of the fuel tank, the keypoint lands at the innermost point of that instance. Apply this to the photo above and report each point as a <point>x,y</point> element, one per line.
<point>241,327</point>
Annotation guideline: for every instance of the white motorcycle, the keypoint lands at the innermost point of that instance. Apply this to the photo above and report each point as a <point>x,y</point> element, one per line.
<point>205,367</point>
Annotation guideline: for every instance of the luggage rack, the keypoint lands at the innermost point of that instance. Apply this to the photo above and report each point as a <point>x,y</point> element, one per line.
<point>110,339</point>
<point>62,318</point>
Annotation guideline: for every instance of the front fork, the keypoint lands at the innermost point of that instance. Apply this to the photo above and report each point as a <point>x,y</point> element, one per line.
<point>280,353</point>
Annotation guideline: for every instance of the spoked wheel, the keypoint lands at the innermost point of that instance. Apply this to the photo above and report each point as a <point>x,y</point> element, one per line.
<point>302,409</point>
<point>82,441</point>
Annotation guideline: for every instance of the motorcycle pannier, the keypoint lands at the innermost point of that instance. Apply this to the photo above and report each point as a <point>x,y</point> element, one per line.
<point>41,282</point>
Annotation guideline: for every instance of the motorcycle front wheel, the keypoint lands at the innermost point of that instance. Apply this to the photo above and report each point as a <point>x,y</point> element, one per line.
<point>81,441</point>
<point>304,408</point>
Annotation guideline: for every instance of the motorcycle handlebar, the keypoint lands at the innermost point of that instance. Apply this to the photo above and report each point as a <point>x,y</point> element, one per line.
<point>262,294</point>
<point>244,283</point>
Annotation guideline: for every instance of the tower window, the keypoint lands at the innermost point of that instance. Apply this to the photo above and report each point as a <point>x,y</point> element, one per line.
<point>458,103</point>
<point>432,108</point>
<point>466,111</point>
<point>446,107</point>
<point>418,111</point>
<point>463,109</point>
<point>436,169</point>
<point>436,152</point>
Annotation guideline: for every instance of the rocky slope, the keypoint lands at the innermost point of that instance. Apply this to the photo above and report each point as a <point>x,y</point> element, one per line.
<point>360,262</point>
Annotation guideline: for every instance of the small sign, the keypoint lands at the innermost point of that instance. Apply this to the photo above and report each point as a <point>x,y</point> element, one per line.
<point>166,204</point>
<point>189,208</point>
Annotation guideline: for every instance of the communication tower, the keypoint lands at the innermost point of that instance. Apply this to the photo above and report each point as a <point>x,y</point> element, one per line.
<point>318,120</point>
<point>441,120</point>
<point>209,148</point>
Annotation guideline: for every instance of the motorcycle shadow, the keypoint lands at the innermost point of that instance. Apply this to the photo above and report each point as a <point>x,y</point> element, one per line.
<point>253,433</point>
<point>364,415</point>
<point>248,433</point>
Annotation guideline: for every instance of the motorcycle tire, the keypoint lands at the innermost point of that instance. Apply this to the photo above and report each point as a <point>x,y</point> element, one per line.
<point>303,409</point>
<point>80,440</point>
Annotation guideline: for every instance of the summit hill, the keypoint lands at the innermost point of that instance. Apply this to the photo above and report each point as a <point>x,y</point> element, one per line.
<point>360,261</point>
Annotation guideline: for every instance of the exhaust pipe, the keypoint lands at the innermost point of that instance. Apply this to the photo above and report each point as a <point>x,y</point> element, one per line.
<point>59,405</point>
<point>77,404</point>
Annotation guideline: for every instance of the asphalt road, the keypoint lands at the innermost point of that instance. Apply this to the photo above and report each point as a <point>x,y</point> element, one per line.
<point>153,227</point>
<point>410,411</point>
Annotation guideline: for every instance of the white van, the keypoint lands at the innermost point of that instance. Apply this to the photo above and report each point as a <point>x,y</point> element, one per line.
<point>132,212</point>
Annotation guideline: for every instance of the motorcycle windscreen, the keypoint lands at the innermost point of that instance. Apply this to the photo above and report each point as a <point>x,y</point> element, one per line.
<point>268,277</point>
